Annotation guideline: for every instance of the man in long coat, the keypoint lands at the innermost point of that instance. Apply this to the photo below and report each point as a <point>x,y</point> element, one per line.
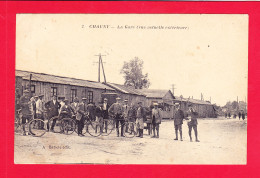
<point>178,121</point>
<point>52,107</point>
<point>25,109</point>
<point>81,113</point>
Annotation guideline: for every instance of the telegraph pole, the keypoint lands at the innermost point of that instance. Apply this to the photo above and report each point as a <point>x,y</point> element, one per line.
<point>100,62</point>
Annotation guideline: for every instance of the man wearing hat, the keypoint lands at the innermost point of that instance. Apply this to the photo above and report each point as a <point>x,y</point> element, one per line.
<point>40,109</point>
<point>178,121</point>
<point>116,110</point>
<point>193,123</point>
<point>105,107</point>
<point>52,107</point>
<point>75,105</point>
<point>140,114</point>
<point>81,115</point>
<point>25,109</point>
<point>156,120</point>
<point>91,108</point>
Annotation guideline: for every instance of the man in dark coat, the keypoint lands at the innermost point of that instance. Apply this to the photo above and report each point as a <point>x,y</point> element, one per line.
<point>52,107</point>
<point>178,121</point>
<point>193,123</point>
<point>91,111</point>
<point>156,120</point>
<point>81,113</point>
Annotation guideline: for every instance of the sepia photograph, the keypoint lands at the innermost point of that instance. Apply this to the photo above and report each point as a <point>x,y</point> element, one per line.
<point>131,89</point>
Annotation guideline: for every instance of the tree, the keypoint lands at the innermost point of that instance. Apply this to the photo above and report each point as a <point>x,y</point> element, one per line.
<point>133,74</point>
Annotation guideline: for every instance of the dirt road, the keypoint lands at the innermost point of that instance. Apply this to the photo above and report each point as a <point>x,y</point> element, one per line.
<point>222,141</point>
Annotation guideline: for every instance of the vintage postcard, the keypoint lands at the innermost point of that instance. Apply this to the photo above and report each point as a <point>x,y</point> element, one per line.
<point>131,89</point>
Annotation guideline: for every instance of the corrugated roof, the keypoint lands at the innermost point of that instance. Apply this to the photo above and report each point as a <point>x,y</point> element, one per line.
<point>154,93</point>
<point>194,101</point>
<point>60,80</point>
<point>125,89</point>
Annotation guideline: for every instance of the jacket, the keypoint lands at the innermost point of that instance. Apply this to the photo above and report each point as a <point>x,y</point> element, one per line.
<point>156,116</point>
<point>53,109</point>
<point>178,117</point>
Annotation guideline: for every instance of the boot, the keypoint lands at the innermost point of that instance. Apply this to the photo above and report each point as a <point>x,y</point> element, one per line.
<point>176,133</point>
<point>181,135</point>
<point>141,133</point>
<point>117,132</point>
<point>153,133</point>
<point>138,133</point>
<point>157,133</point>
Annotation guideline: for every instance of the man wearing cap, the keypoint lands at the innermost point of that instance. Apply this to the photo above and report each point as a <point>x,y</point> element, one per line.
<point>52,107</point>
<point>81,115</point>
<point>116,110</point>
<point>178,121</point>
<point>75,105</point>
<point>40,109</point>
<point>140,114</point>
<point>25,109</point>
<point>193,123</point>
<point>156,120</point>
<point>105,107</point>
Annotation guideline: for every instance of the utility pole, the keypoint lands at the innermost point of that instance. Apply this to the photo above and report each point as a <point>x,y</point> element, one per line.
<point>173,89</point>
<point>30,85</point>
<point>100,62</point>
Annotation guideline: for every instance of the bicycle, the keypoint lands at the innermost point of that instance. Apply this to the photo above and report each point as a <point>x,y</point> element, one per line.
<point>64,125</point>
<point>129,129</point>
<point>34,127</point>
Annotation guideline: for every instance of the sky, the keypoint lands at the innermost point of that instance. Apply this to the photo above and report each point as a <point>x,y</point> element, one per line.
<point>197,53</point>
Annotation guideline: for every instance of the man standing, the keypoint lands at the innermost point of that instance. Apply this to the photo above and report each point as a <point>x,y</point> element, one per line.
<point>105,107</point>
<point>140,114</point>
<point>52,107</point>
<point>178,121</point>
<point>80,116</point>
<point>25,109</point>
<point>193,123</point>
<point>91,108</point>
<point>75,105</point>
<point>125,111</point>
<point>156,120</point>
<point>116,109</point>
<point>239,115</point>
<point>40,110</point>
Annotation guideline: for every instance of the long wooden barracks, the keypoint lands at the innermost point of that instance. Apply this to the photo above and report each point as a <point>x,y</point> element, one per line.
<point>50,85</point>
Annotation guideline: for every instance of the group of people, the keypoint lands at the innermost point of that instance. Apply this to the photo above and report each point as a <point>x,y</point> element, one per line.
<point>240,114</point>
<point>35,107</point>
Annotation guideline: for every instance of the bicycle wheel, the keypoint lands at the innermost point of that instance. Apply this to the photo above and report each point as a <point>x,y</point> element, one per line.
<point>68,126</point>
<point>56,123</point>
<point>94,128</point>
<point>108,126</point>
<point>36,127</point>
<point>129,129</point>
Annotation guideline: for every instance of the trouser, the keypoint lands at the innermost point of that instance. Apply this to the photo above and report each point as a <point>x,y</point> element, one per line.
<point>24,119</point>
<point>40,116</point>
<point>100,120</point>
<point>117,126</point>
<point>195,131</point>
<point>156,126</point>
<point>178,127</point>
<point>140,123</point>
<point>80,124</point>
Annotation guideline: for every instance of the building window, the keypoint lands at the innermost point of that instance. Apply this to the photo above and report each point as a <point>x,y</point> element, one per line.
<point>32,88</point>
<point>73,94</point>
<point>84,93</point>
<point>54,91</point>
<point>90,96</point>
